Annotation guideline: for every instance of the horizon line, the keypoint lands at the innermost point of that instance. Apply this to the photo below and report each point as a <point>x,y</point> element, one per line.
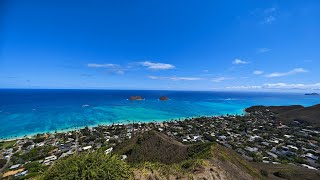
<point>198,90</point>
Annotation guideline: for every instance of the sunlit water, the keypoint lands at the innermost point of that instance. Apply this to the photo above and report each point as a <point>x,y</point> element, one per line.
<point>26,112</point>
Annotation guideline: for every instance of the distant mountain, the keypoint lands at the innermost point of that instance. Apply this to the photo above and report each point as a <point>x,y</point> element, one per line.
<point>287,114</point>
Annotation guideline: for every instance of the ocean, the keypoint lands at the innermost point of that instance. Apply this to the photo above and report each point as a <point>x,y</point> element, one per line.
<point>32,111</point>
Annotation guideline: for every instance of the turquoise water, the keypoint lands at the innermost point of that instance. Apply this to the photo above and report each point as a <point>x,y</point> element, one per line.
<point>27,112</point>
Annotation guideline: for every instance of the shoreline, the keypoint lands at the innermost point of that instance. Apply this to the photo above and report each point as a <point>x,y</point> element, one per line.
<point>109,124</point>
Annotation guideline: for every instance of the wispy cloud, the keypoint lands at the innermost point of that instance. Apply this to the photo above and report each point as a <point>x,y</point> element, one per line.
<point>220,79</point>
<point>269,15</point>
<point>157,66</point>
<point>243,87</point>
<point>291,72</point>
<point>270,10</point>
<point>175,78</point>
<point>94,65</point>
<point>86,75</point>
<point>315,86</point>
<point>239,61</point>
<point>257,72</point>
<point>263,50</point>
<point>112,68</point>
<point>269,19</point>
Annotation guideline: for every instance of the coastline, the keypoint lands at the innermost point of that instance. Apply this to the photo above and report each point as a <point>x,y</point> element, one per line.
<point>107,124</point>
<point>68,114</point>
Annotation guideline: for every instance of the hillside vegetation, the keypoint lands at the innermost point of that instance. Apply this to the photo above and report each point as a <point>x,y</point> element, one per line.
<point>153,155</point>
<point>156,147</point>
<point>288,114</point>
<point>96,165</point>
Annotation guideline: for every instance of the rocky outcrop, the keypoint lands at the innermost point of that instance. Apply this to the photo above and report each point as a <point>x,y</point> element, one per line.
<point>163,98</point>
<point>135,98</point>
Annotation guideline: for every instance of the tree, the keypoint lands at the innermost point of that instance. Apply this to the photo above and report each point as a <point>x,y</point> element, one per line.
<point>96,165</point>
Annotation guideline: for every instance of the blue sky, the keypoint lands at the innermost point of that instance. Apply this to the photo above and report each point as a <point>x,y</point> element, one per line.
<point>176,45</point>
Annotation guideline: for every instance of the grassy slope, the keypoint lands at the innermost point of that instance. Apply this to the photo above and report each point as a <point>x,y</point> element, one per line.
<point>7,144</point>
<point>286,171</point>
<point>310,115</point>
<point>154,147</point>
<point>288,114</point>
<point>155,155</point>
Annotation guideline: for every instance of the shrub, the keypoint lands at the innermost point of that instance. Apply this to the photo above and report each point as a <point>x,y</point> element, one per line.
<point>96,165</point>
<point>2,162</point>
<point>264,173</point>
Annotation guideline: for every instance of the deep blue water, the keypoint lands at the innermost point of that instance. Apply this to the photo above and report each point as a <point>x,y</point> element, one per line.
<point>27,111</point>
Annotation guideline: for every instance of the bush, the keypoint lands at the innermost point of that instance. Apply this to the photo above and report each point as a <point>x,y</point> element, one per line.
<point>2,162</point>
<point>37,153</point>
<point>35,167</point>
<point>39,139</point>
<point>264,173</point>
<point>96,165</point>
<point>27,144</point>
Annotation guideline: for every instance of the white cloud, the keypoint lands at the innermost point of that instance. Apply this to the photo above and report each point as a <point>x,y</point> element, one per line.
<point>157,66</point>
<point>174,78</point>
<point>112,68</point>
<point>292,86</point>
<point>94,65</point>
<point>239,61</point>
<point>257,72</point>
<point>244,87</point>
<point>220,79</point>
<point>263,50</point>
<point>315,86</point>
<point>291,72</point>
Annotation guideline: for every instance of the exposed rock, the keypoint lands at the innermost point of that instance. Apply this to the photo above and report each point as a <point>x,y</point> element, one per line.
<point>133,98</point>
<point>163,98</point>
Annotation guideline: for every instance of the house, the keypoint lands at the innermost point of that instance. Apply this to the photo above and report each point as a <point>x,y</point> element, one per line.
<point>16,166</point>
<point>311,156</point>
<point>86,148</point>
<point>123,157</point>
<point>309,167</point>
<point>48,160</point>
<point>108,151</point>
<point>272,155</point>
<point>23,173</point>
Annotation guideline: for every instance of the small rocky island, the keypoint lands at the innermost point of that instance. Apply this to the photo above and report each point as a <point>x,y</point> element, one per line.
<point>163,98</point>
<point>311,94</point>
<point>136,98</point>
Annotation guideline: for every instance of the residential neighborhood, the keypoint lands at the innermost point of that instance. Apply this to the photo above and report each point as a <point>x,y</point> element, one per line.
<point>257,136</point>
